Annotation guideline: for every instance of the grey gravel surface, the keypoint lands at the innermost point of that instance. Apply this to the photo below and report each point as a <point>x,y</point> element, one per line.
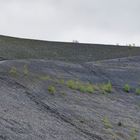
<point>29,112</point>
<point>16,48</point>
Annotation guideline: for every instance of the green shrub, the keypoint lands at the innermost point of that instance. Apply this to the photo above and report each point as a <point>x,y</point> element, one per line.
<point>25,70</point>
<point>61,81</point>
<point>72,84</point>
<point>106,122</point>
<point>81,88</point>
<point>44,78</point>
<point>52,89</point>
<point>126,88</point>
<point>137,91</point>
<point>89,88</point>
<point>13,71</point>
<point>76,85</point>
<point>133,134</point>
<point>107,87</point>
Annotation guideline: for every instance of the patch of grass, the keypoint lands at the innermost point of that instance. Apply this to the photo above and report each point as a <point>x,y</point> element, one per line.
<point>72,84</point>
<point>106,87</point>
<point>44,77</point>
<point>86,88</point>
<point>13,71</point>
<point>89,88</point>
<point>52,89</point>
<point>81,88</point>
<point>25,70</point>
<point>137,91</point>
<point>133,134</point>
<point>76,85</point>
<point>61,81</point>
<point>126,88</point>
<point>106,122</point>
<point>31,49</point>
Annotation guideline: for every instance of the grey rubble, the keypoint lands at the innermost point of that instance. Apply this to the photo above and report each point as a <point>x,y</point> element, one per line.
<point>29,112</point>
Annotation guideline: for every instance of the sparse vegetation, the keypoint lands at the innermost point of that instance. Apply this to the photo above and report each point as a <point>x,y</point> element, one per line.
<point>25,70</point>
<point>81,87</point>
<point>76,85</point>
<point>137,91</point>
<point>72,84</point>
<point>106,87</point>
<point>30,49</point>
<point>13,71</point>
<point>46,92</point>
<point>133,134</point>
<point>89,88</point>
<point>61,81</point>
<point>44,77</point>
<point>106,122</point>
<point>126,88</point>
<point>52,89</point>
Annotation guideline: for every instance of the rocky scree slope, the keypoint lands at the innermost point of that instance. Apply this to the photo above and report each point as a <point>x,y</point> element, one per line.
<point>38,100</point>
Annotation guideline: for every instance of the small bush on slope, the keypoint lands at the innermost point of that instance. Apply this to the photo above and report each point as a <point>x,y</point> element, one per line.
<point>126,88</point>
<point>52,89</point>
<point>137,91</point>
<point>76,85</point>
<point>13,71</point>
<point>106,122</point>
<point>44,77</point>
<point>106,87</point>
<point>25,70</point>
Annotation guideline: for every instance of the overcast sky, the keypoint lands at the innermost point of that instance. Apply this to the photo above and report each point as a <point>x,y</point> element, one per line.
<point>93,21</point>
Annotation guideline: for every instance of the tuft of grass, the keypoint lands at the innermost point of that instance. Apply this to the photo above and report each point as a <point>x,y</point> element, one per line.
<point>126,88</point>
<point>106,87</point>
<point>106,122</point>
<point>25,70</point>
<point>89,88</point>
<point>44,78</point>
<point>76,85</point>
<point>13,71</point>
<point>137,91</point>
<point>133,134</point>
<point>72,84</point>
<point>81,87</point>
<point>61,81</point>
<point>52,89</point>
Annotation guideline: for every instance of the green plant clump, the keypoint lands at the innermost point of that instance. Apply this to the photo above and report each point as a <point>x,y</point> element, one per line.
<point>61,81</point>
<point>133,134</point>
<point>107,87</point>
<point>76,85</point>
<point>44,77</point>
<point>137,91</point>
<point>81,88</point>
<point>13,71</point>
<point>25,70</point>
<point>89,88</point>
<point>126,88</point>
<point>52,89</point>
<point>106,122</point>
<point>72,84</point>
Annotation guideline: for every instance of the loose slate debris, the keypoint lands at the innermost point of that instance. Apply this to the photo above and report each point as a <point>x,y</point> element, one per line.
<point>29,111</point>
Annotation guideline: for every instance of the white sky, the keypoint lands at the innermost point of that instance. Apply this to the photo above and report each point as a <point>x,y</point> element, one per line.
<point>93,21</point>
